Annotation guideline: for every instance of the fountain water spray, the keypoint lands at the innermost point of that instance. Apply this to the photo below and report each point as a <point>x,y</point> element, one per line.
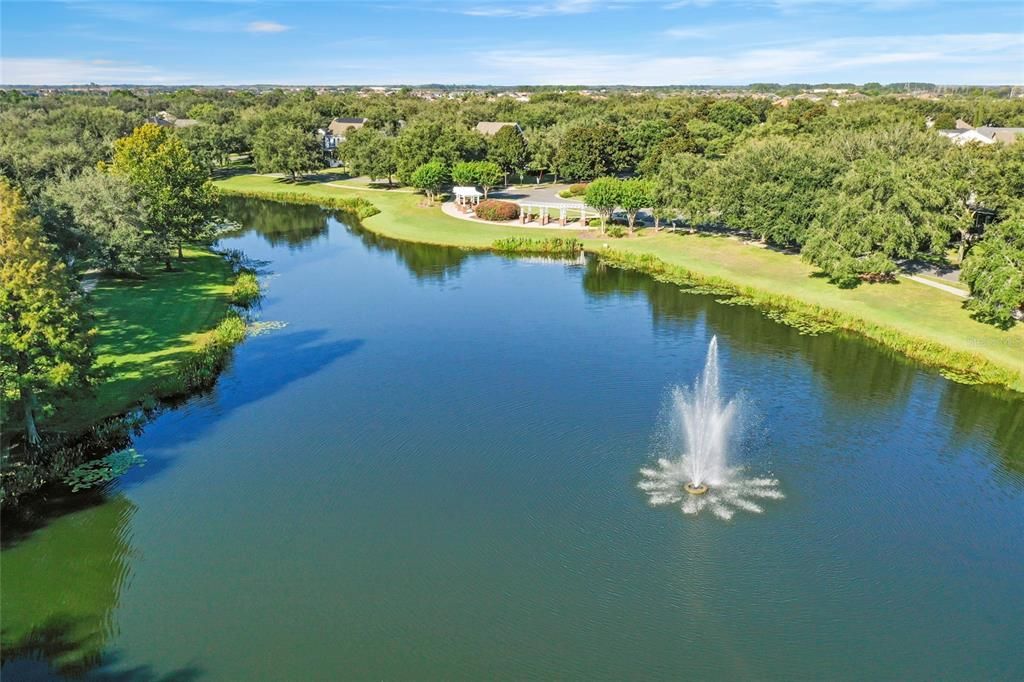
<point>700,477</point>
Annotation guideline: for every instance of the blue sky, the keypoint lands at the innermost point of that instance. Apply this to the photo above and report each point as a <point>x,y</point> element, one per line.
<point>588,42</point>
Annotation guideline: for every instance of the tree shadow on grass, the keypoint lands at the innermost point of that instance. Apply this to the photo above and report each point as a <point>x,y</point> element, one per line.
<point>143,317</point>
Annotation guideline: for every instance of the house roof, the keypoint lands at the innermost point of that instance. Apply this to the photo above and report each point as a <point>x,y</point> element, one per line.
<point>960,136</point>
<point>492,127</point>
<point>166,119</point>
<point>1000,134</point>
<point>340,126</point>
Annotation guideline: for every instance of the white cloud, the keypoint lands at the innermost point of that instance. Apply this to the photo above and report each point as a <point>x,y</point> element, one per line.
<point>713,30</point>
<point>60,71</point>
<point>985,58</point>
<point>789,6</point>
<point>529,11</point>
<point>265,27</point>
<point>687,32</point>
<point>679,4</point>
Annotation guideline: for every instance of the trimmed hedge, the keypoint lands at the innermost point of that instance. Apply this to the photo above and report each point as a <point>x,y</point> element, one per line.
<point>494,209</point>
<point>575,190</point>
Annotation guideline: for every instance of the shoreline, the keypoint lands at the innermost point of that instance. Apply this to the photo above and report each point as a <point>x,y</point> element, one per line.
<point>194,346</point>
<point>922,324</point>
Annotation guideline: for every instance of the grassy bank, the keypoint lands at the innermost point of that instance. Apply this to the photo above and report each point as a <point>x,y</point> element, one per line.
<point>165,334</point>
<point>923,322</point>
<point>147,329</point>
<point>357,205</point>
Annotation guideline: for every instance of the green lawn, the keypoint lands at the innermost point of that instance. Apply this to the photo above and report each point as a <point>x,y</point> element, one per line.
<point>145,329</point>
<point>912,308</point>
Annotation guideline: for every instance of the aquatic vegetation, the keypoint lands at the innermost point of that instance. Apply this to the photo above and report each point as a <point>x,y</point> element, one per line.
<point>960,366</point>
<point>552,246</point>
<point>200,371</point>
<point>103,469</point>
<point>246,289</point>
<point>261,327</point>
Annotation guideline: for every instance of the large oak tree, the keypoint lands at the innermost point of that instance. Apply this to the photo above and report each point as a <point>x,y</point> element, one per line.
<point>174,186</point>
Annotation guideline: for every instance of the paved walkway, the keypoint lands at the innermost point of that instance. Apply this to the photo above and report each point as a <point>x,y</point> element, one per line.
<point>937,285</point>
<point>359,188</point>
<point>545,194</point>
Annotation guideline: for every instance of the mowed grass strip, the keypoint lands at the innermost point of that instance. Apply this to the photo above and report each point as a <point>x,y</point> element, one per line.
<point>913,309</point>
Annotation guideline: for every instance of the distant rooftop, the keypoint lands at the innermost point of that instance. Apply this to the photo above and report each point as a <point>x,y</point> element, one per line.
<point>490,128</point>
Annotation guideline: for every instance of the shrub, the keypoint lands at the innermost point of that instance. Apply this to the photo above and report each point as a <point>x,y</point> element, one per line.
<point>575,190</point>
<point>246,289</point>
<point>616,231</point>
<point>493,209</point>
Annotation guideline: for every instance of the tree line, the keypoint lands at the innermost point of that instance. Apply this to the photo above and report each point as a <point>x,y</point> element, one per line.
<point>857,188</point>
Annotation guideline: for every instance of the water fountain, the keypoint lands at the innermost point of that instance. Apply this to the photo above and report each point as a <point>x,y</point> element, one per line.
<point>700,428</point>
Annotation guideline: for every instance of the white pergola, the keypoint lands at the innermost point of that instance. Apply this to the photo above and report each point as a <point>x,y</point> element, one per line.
<point>466,196</point>
<point>538,211</point>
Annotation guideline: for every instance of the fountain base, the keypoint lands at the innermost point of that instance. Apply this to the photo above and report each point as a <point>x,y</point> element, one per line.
<point>695,488</point>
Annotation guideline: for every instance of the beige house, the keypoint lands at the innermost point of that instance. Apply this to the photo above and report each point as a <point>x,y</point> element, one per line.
<point>335,132</point>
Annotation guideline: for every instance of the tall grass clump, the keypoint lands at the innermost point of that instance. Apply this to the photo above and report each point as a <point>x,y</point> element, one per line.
<point>552,246</point>
<point>200,371</point>
<point>246,289</point>
<point>959,366</point>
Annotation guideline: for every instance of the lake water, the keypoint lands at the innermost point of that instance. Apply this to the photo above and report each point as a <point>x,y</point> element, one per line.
<point>431,472</point>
